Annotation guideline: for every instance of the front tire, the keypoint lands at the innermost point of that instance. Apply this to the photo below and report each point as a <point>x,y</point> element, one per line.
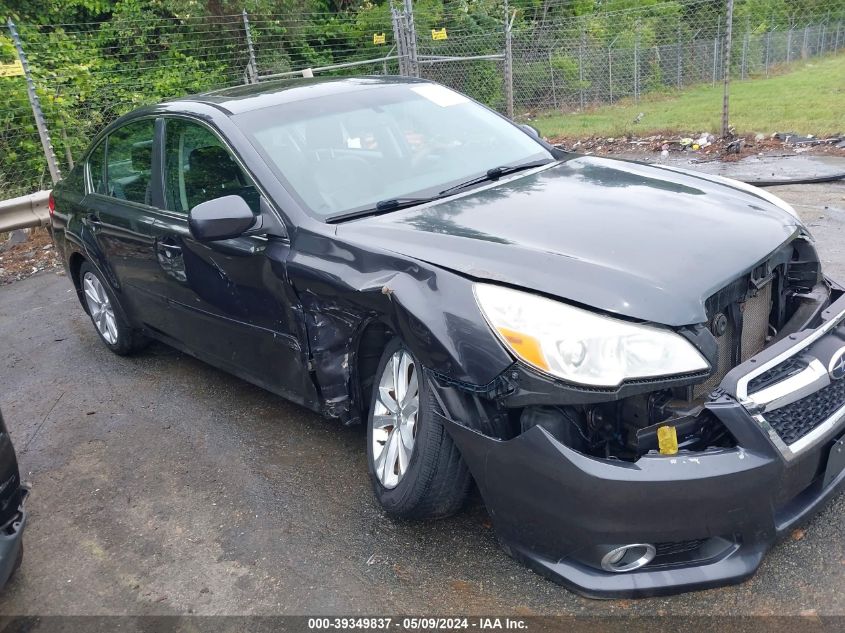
<point>416,470</point>
<point>107,314</point>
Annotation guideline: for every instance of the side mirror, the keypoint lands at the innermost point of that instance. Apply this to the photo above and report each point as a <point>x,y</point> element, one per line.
<point>220,219</point>
<point>533,131</point>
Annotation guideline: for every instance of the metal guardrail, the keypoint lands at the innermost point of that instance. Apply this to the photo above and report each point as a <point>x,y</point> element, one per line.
<point>24,212</point>
<point>309,72</point>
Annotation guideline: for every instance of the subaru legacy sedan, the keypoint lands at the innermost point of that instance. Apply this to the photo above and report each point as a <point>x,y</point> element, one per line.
<point>640,367</point>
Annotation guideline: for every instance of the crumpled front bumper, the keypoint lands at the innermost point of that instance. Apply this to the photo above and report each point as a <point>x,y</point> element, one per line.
<point>712,515</point>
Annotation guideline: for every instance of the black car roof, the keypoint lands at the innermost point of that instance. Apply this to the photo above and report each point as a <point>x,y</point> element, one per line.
<point>238,99</point>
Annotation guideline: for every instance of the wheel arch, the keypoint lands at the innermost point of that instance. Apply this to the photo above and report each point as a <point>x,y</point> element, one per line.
<point>74,265</point>
<point>81,254</point>
<point>373,338</point>
<point>436,319</point>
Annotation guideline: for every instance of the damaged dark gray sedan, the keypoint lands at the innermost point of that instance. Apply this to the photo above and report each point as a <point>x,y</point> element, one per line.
<point>640,367</point>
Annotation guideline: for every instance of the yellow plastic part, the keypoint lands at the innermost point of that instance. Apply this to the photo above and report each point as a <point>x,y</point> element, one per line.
<point>667,440</point>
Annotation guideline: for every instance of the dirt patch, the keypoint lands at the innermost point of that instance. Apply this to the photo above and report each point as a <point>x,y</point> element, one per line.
<point>32,256</point>
<point>704,146</point>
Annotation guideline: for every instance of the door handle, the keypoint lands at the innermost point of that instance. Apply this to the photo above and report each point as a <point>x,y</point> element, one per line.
<point>169,256</point>
<point>170,241</point>
<point>169,249</point>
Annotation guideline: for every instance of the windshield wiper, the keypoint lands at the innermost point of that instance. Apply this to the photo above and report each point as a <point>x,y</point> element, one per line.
<point>382,206</point>
<point>393,204</point>
<point>401,203</point>
<point>495,173</point>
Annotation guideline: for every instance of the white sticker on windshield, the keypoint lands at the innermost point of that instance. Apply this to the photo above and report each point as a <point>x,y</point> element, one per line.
<point>439,95</point>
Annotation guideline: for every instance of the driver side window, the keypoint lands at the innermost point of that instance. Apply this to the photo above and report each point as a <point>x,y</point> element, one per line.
<point>198,168</point>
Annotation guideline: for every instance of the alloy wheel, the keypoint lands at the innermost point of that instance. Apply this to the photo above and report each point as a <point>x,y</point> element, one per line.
<point>100,308</point>
<point>394,419</point>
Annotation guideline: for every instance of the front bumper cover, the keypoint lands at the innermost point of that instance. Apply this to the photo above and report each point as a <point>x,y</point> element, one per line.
<point>716,513</point>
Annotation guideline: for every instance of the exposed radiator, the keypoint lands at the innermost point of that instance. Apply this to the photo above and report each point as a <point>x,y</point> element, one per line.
<point>755,322</point>
<point>755,329</point>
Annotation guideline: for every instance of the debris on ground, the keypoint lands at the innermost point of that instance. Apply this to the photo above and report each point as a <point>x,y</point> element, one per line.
<point>25,253</point>
<point>706,146</point>
<point>16,237</point>
<point>791,138</point>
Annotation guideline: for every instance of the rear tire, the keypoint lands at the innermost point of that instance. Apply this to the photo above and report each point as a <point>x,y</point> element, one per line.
<point>432,481</point>
<point>107,314</point>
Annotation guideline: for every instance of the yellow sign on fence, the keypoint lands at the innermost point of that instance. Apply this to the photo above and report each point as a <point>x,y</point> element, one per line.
<point>439,34</point>
<point>15,69</point>
<point>379,38</point>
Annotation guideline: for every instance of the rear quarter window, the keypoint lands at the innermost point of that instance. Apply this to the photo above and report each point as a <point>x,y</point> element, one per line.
<point>129,156</point>
<point>74,182</point>
<point>96,168</point>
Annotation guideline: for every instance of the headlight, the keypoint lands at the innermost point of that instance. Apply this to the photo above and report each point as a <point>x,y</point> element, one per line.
<point>580,346</point>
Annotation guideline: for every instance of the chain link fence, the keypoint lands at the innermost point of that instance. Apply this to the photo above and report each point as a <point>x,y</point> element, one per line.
<point>573,63</point>
<point>517,61</point>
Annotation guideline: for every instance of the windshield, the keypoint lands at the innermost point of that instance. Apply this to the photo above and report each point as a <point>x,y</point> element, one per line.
<point>346,152</point>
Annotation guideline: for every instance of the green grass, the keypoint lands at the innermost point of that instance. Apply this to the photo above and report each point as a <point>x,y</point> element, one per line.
<point>808,98</point>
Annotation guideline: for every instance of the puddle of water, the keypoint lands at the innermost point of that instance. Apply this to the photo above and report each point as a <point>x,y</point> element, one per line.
<point>758,169</point>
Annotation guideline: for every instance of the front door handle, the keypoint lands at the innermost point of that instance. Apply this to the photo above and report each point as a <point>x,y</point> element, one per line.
<point>169,246</point>
<point>169,255</point>
<point>170,250</point>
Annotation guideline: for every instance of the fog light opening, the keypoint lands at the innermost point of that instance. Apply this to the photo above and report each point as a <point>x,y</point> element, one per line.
<point>628,557</point>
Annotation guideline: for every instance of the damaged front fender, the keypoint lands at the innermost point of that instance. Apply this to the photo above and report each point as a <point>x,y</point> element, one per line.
<point>344,290</point>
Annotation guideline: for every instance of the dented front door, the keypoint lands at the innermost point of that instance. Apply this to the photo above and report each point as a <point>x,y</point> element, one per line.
<point>233,301</point>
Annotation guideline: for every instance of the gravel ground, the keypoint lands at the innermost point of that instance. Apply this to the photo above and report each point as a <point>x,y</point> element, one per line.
<point>163,486</point>
<point>34,255</point>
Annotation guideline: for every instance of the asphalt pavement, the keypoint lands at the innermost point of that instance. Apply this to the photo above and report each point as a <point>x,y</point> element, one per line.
<point>164,486</point>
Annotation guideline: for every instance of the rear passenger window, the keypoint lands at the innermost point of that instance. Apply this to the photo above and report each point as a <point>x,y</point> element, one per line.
<point>198,168</point>
<point>130,156</point>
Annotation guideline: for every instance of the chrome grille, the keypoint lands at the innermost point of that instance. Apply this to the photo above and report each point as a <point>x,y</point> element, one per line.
<point>796,420</point>
<point>792,396</point>
<point>787,368</point>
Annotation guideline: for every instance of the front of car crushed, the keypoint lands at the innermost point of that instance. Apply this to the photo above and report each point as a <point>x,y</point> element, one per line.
<point>571,465</point>
<point>759,453</point>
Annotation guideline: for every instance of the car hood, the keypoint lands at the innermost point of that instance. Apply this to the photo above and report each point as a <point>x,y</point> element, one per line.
<point>626,238</point>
